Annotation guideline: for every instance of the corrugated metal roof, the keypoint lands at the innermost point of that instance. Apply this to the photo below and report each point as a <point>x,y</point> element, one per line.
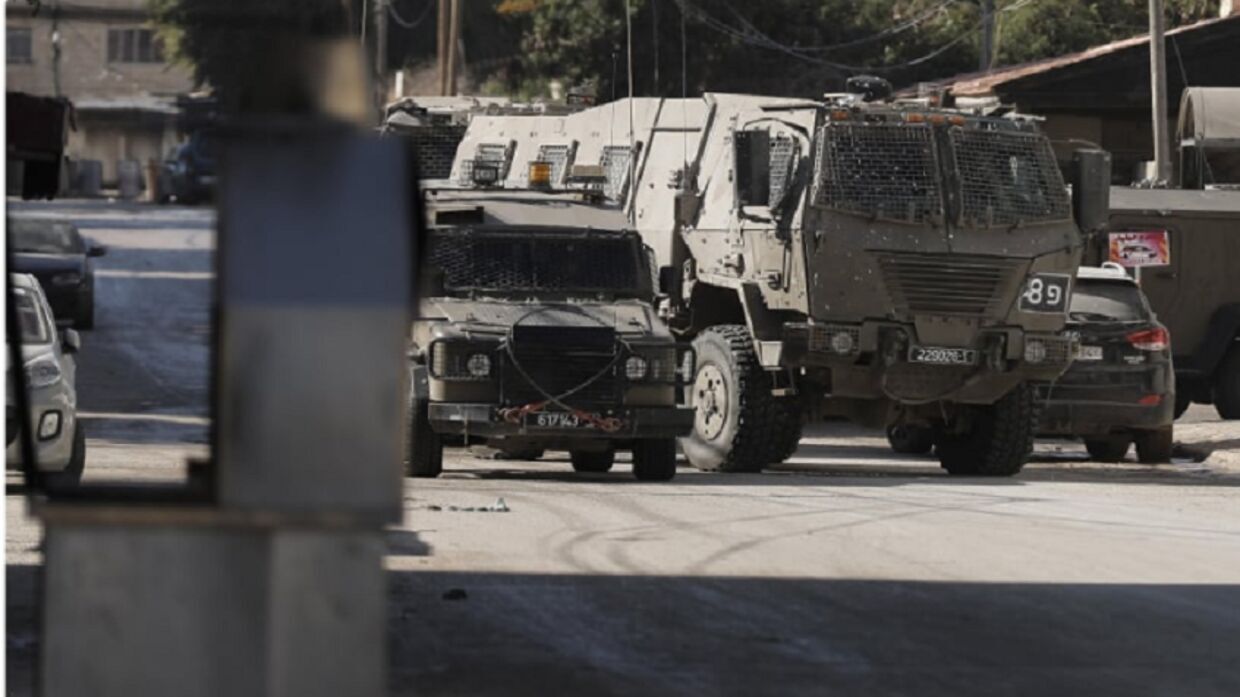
<point>982,84</point>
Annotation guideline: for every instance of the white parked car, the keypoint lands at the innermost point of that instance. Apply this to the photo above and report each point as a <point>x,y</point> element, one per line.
<point>51,370</point>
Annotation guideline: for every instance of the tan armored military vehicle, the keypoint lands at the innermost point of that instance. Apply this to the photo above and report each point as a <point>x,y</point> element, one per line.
<point>911,263</point>
<point>541,336</point>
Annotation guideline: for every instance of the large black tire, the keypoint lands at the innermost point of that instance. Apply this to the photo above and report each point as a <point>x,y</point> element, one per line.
<point>71,475</point>
<point>85,318</point>
<point>654,459</point>
<point>1001,438</point>
<point>911,439</point>
<point>1183,400</point>
<point>1110,449</point>
<point>425,446</point>
<point>593,460</point>
<point>1227,386</point>
<point>787,428</point>
<point>1154,447</point>
<point>735,426</point>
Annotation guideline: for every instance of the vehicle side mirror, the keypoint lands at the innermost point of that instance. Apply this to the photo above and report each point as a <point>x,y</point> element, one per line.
<point>96,250</point>
<point>668,280</point>
<point>753,168</point>
<point>71,340</point>
<point>1091,190</point>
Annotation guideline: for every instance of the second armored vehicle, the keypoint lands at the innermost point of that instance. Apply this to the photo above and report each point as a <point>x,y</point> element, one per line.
<point>911,263</point>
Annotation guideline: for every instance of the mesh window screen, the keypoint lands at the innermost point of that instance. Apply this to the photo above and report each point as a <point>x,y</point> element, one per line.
<point>1007,177</point>
<point>517,261</point>
<point>879,169</point>
<point>616,166</point>
<point>496,153</point>
<point>557,156</point>
<point>784,154</point>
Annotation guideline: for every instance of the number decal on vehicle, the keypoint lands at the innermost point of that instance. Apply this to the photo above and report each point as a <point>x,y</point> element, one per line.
<point>1046,292</point>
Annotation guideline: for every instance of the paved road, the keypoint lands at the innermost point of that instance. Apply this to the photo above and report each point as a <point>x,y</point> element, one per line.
<point>845,571</point>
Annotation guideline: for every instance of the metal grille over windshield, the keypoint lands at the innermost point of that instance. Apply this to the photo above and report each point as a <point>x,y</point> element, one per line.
<point>491,153</point>
<point>512,261</point>
<point>557,157</point>
<point>885,170</point>
<point>783,159</point>
<point>1007,177</point>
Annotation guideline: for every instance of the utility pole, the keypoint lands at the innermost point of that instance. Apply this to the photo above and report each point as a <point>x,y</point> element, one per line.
<point>1158,93</point>
<point>441,46</point>
<point>454,40</point>
<point>381,44</point>
<point>988,34</point>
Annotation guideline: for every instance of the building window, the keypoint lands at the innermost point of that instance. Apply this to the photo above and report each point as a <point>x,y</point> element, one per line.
<point>134,46</point>
<point>19,45</point>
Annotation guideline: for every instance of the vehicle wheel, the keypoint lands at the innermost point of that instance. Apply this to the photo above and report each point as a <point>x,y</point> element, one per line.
<point>1000,440</point>
<point>593,461</point>
<point>735,416</point>
<point>787,428</point>
<point>1154,447</point>
<point>1227,388</point>
<point>1183,400</point>
<point>85,317</point>
<point>1108,449</point>
<point>425,446</point>
<point>911,439</point>
<point>654,459</point>
<point>71,475</point>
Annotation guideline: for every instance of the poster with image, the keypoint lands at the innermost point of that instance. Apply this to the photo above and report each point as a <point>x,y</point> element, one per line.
<point>1134,249</point>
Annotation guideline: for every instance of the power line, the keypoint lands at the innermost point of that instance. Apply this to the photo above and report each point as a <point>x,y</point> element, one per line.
<point>754,37</point>
<point>391,7</point>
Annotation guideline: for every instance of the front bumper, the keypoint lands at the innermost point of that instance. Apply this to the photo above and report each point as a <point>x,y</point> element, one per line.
<point>871,360</point>
<point>485,420</point>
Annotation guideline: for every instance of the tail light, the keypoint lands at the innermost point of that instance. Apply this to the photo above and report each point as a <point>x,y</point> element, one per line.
<point>1150,339</point>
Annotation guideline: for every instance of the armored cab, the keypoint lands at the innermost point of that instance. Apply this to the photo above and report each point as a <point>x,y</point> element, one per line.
<point>912,264</point>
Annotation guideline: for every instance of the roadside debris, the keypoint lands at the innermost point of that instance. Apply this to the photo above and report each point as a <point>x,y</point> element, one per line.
<point>500,506</point>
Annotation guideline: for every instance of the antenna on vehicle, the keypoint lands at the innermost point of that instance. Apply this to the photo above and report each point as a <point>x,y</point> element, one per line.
<point>631,189</point>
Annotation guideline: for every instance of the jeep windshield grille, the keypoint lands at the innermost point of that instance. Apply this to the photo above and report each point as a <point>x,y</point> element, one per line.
<point>883,170</point>
<point>1007,177</point>
<point>525,261</point>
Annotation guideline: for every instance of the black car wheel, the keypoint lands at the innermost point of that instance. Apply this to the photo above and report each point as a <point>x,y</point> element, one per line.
<point>593,460</point>
<point>71,475</point>
<point>1154,447</point>
<point>425,446</point>
<point>1111,449</point>
<point>911,439</point>
<point>1227,386</point>
<point>654,459</point>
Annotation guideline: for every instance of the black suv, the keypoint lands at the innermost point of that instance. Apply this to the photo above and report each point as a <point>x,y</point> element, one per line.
<point>1121,388</point>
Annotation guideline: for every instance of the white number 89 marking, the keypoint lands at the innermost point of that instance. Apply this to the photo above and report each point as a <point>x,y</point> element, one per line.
<point>1040,292</point>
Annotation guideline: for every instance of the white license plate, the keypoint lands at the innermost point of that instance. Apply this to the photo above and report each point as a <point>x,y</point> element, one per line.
<point>556,419</point>
<point>1090,353</point>
<point>942,356</point>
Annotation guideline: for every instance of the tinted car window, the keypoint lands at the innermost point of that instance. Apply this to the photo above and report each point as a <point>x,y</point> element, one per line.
<point>1100,301</point>
<point>30,317</point>
<point>44,237</point>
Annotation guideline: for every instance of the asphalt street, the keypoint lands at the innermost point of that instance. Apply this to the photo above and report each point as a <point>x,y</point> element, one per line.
<point>848,570</point>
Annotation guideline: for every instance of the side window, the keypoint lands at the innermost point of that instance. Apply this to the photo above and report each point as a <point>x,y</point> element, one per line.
<point>134,45</point>
<point>20,49</point>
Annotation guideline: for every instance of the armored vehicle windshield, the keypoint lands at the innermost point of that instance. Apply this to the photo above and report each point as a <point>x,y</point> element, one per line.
<point>967,176</point>
<point>538,261</point>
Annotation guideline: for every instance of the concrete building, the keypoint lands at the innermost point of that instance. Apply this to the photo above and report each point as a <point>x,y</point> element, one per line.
<point>1102,95</point>
<point>105,57</point>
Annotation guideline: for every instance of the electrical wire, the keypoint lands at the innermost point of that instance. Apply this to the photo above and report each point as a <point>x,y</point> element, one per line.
<point>391,7</point>
<point>754,37</point>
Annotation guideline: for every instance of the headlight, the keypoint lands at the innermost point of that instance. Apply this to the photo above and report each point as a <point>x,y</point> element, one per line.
<point>1035,351</point>
<point>479,365</point>
<point>49,425</point>
<point>43,371</point>
<point>68,278</point>
<point>842,343</point>
<point>635,368</point>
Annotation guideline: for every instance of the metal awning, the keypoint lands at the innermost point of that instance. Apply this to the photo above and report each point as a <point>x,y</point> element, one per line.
<point>1210,118</point>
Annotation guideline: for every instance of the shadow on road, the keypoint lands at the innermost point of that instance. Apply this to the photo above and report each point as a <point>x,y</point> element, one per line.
<point>519,634</point>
